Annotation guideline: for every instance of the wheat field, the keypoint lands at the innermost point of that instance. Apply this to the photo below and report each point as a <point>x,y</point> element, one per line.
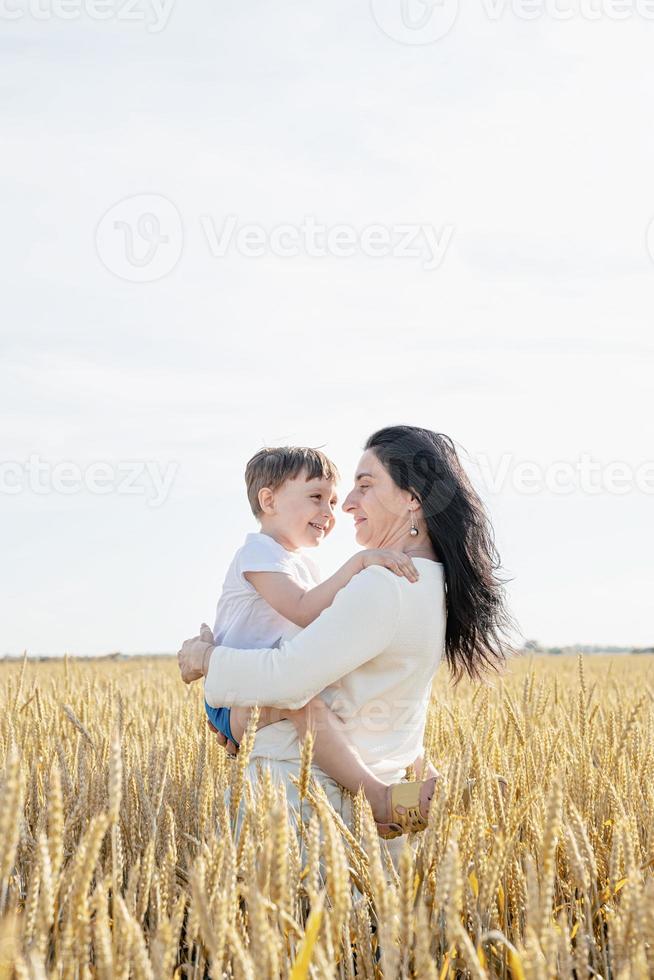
<point>121,854</point>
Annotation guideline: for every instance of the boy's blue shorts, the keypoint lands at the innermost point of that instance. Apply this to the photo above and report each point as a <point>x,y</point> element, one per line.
<point>219,718</point>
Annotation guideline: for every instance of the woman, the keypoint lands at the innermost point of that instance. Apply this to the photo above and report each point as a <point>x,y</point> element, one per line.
<point>373,653</point>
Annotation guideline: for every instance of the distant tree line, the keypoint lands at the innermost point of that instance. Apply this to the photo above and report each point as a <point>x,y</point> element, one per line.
<point>533,646</point>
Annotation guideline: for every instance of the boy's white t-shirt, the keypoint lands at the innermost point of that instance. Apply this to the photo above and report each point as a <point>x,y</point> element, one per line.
<point>244,620</point>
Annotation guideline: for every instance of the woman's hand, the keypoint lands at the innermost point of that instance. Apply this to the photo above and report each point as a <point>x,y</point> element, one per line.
<point>194,657</point>
<point>230,747</point>
<point>396,561</point>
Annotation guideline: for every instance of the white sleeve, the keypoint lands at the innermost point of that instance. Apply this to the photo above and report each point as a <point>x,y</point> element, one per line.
<point>314,569</point>
<point>263,555</point>
<point>360,623</point>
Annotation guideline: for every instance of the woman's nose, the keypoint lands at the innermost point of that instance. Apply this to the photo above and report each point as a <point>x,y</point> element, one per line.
<point>347,503</point>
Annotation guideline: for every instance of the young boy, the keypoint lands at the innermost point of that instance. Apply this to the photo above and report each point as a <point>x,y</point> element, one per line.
<point>270,584</point>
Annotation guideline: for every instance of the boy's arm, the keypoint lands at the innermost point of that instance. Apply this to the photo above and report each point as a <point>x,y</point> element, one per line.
<point>296,604</point>
<point>302,606</point>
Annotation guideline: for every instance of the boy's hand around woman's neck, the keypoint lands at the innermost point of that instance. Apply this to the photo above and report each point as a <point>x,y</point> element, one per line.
<point>396,561</point>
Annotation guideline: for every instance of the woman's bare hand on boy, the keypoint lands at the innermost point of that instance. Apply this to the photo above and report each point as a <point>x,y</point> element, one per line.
<point>206,633</point>
<point>194,657</point>
<point>395,561</point>
<point>229,746</point>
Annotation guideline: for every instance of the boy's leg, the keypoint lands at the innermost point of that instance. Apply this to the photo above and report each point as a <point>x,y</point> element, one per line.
<point>334,753</point>
<point>216,717</point>
<point>218,721</point>
<point>239,717</point>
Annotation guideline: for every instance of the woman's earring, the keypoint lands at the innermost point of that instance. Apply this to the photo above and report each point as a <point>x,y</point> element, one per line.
<point>414,530</point>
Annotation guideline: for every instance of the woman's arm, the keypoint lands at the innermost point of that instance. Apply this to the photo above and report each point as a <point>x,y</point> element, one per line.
<point>360,623</point>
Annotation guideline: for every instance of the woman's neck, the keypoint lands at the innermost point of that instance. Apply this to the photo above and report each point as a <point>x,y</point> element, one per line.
<point>419,546</point>
<point>414,548</point>
<point>424,551</point>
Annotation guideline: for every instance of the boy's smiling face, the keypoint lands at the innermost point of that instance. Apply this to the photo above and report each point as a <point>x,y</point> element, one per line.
<point>300,513</point>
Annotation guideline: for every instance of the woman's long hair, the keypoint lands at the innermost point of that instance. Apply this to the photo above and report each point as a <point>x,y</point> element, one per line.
<point>478,622</point>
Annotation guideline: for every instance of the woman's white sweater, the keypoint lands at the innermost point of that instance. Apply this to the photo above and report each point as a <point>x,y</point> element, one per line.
<point>371,656</point>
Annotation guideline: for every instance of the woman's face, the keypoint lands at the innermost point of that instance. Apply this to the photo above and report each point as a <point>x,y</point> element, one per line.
<point>380,509</point>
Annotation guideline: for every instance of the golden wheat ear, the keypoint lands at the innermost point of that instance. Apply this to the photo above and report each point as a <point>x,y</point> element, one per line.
<point>131,845</point>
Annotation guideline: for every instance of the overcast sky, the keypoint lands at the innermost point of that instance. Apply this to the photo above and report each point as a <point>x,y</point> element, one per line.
<point>226,225</point>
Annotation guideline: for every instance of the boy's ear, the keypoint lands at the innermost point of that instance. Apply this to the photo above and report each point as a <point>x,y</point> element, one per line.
<point>266,500</point>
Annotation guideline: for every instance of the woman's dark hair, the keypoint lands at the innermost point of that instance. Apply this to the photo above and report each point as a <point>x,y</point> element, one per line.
<point>478,622</point>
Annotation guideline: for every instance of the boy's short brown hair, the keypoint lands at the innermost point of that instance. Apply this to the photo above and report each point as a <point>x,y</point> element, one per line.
<point>271,467</point>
